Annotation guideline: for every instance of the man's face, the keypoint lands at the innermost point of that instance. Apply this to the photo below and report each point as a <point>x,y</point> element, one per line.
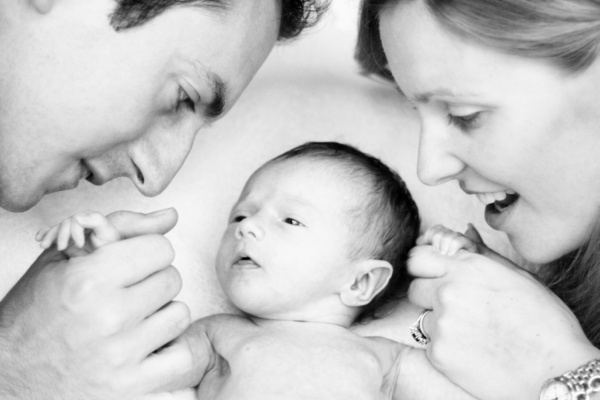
<point>285,253</point>
<point>79,100</point>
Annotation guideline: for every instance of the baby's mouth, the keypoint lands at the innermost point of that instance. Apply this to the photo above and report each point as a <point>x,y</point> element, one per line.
<point>246,261</point>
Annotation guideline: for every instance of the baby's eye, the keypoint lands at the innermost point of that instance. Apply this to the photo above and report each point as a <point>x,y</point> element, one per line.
<point>292,221</point>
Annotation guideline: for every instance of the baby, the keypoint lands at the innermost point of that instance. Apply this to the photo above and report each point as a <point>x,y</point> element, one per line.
<point>316,242</point>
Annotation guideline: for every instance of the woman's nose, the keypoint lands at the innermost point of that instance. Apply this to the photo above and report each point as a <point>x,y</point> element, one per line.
<point>437,162</point>
<point>249,227</point>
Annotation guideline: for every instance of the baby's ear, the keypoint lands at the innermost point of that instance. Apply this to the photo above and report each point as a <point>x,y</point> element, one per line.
<point>371,277</point>
<point>42,6</point>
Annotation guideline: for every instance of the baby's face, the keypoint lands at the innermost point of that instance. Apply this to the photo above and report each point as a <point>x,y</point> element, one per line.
<point>284,254</point>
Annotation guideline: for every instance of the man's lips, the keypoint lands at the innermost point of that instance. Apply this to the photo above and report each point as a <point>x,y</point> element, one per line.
<point>86,173</point>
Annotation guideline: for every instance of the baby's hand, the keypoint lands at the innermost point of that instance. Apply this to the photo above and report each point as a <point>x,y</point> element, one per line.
<point>70,235</point>
<point>449,242</point>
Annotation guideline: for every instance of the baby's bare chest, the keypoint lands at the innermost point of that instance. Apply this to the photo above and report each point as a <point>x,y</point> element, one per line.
<point>275,366</point>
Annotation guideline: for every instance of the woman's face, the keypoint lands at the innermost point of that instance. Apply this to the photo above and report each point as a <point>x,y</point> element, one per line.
<point>501,124</point>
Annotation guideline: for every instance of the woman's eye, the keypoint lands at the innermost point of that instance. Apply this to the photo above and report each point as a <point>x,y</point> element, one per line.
<point>185,101</point>
<point>292,221</point>
<point>464,122</point>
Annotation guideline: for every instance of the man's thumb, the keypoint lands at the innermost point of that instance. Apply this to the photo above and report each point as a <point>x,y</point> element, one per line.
<point>131,224</point>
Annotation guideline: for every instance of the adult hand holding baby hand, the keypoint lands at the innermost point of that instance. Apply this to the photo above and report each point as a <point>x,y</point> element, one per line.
<point>495,330</point>
<point>87,327</point>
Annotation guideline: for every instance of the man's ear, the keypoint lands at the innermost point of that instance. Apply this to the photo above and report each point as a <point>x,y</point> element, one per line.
<point>372,276</point>
<point>42,6</point>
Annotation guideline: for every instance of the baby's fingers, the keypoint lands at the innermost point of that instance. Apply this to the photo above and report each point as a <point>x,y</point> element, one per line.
<point>103,231</point>
<point>49,236</point>
<point>430,235</point>
<point>64,235</point>
<point>42,233</point>
<point>77,233</point>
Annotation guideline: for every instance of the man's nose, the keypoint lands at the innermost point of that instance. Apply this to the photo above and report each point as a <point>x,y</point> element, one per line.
<point>250,227</point>
<point>437,163</point>
<point>158,161</point>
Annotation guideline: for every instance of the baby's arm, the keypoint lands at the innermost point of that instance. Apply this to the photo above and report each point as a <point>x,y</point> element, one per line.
<point>449,242</point>
<point>70,235</point>
<point>418,379</point>
<point>197,338</point>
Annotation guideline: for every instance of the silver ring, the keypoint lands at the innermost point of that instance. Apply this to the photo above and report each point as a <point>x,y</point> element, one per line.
<point>417,331</point>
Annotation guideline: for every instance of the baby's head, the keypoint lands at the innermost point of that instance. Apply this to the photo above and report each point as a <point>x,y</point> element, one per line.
<point>320,233</point>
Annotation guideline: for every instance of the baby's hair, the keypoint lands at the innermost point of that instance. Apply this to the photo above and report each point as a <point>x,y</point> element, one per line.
<point>387,219</point>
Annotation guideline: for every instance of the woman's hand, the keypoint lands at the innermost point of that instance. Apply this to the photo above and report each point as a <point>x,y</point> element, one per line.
<point>495,330</point>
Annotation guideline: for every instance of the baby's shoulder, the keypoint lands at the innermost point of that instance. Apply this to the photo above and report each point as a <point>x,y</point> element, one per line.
<point>227,331</point>
<point>384,350</point>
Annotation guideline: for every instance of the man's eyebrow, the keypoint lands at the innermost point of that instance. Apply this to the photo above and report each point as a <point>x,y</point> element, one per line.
<point>216,107</point>
<point>212,111</point>
<point>215,5</point>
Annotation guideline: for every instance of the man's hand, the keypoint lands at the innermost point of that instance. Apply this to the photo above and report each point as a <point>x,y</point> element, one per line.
<point>89,327</point>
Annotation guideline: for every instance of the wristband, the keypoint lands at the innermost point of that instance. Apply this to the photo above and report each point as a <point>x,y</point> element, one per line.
<point>578,384</point>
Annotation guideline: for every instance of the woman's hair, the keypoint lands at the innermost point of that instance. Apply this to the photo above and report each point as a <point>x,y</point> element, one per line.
<point>386,221</point>
<point>296,15</point>
<point>575,278</point>
<point>563,32</point>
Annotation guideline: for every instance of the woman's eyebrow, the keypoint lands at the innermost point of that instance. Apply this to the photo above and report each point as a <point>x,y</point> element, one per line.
<point>426,96</point>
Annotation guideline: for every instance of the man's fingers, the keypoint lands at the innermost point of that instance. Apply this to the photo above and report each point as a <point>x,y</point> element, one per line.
<point>149,295</point>
<point>131,224</point>
<point>133,260</point>
<point>170,369</point>
<point>159,329</point>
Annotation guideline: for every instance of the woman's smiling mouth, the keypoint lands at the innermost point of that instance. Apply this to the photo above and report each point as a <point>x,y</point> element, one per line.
<point>497,201</point>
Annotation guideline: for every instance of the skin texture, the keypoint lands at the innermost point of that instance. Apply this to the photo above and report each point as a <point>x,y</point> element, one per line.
<point>293,219</point>
<point>535,133</point>
<point>496,122</point>
<point>73,89</point>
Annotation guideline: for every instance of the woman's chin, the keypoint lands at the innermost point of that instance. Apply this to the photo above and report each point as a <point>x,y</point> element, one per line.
<point>537,252</point>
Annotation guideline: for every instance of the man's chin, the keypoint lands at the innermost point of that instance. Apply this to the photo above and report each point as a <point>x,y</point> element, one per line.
<point>18,204</point>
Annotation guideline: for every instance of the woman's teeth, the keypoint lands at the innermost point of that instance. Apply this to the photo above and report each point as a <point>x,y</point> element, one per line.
<point>498,201</point>
<point>489,198</point>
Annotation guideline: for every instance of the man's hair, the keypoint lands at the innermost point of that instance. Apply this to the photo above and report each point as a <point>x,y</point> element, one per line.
<point>296,15</point>
<point>386,221</point>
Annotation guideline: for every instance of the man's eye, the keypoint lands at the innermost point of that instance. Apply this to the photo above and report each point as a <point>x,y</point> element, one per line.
<point>184,101</point>
<point>292,221</point>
